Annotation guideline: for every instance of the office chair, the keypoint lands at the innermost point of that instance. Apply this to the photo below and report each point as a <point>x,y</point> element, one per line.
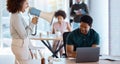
<point>65,34</point>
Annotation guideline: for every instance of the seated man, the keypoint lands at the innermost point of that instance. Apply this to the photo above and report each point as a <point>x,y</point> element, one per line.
<point>84,36</point>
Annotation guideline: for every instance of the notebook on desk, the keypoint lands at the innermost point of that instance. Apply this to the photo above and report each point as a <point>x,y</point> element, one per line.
<point>87,54</point>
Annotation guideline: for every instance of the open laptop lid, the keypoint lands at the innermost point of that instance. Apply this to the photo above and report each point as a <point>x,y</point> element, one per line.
<point>87,54</point>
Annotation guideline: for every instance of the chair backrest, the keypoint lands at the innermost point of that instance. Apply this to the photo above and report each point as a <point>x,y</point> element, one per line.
<point>65,34</point>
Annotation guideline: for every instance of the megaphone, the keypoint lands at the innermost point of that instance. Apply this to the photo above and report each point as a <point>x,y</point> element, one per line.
<point>45,15</point>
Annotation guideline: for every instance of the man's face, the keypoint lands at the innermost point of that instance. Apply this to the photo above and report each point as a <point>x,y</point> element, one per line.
<point>84,28</point>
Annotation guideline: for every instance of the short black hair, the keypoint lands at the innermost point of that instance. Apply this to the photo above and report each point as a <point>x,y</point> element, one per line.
<point>60,13</point>
<point>87,19</point>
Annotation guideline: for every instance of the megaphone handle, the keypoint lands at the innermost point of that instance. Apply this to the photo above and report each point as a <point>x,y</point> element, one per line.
<point>35,31</point>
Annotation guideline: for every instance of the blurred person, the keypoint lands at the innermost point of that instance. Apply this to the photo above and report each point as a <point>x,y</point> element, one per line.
<point>20,31</point>
<point>77,10</point>
<point>60,26</point>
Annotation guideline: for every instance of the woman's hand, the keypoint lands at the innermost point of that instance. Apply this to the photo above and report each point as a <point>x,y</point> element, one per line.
<point>34,20</point>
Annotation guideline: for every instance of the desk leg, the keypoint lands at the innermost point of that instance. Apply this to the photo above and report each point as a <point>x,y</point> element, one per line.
<point>49,48</point>
<point>49,44</point>
<point>59,47</point>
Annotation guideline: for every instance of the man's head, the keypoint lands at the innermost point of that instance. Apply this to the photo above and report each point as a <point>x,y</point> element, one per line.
<point>85,24</point>
<point>78,1</point>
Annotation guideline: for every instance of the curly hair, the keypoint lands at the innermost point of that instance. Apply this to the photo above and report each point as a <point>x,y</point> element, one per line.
<point>60,13</point>
<point>87,19</point>
<point>15,6</point>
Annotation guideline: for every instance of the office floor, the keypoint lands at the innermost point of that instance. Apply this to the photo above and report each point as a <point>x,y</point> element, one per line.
<point>6,59</point>
<point>6,56</point>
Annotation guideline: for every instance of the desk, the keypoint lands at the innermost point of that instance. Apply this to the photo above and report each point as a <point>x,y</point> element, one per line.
<point>45,41</point>
<point>72,61</point>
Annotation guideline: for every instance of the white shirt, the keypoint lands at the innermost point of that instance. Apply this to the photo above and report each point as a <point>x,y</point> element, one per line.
<point>18,27</point>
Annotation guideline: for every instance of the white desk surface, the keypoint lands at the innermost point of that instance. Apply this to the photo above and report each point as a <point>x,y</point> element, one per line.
<point>51,37</point>
<point>72,61</point>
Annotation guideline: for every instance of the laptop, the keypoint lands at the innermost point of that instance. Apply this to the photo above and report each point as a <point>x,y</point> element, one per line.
<point>87,54</point>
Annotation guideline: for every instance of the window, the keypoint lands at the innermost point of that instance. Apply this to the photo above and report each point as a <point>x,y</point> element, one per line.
<point>5,32</point>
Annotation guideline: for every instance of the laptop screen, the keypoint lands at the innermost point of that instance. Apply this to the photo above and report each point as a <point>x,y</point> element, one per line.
<point>87,54</point>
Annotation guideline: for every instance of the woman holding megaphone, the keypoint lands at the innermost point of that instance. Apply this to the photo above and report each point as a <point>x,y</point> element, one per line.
<point>20,30</point>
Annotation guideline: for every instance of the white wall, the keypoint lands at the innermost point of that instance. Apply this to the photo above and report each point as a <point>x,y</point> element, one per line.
<point>115,27</point>
<point>99,11</point>
<point>0,22</point>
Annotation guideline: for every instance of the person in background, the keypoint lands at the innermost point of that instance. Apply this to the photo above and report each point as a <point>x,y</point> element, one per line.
<point>60,26</point>
<point>77,10</point>
<point>84,36</point>
<point>20,31</point>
